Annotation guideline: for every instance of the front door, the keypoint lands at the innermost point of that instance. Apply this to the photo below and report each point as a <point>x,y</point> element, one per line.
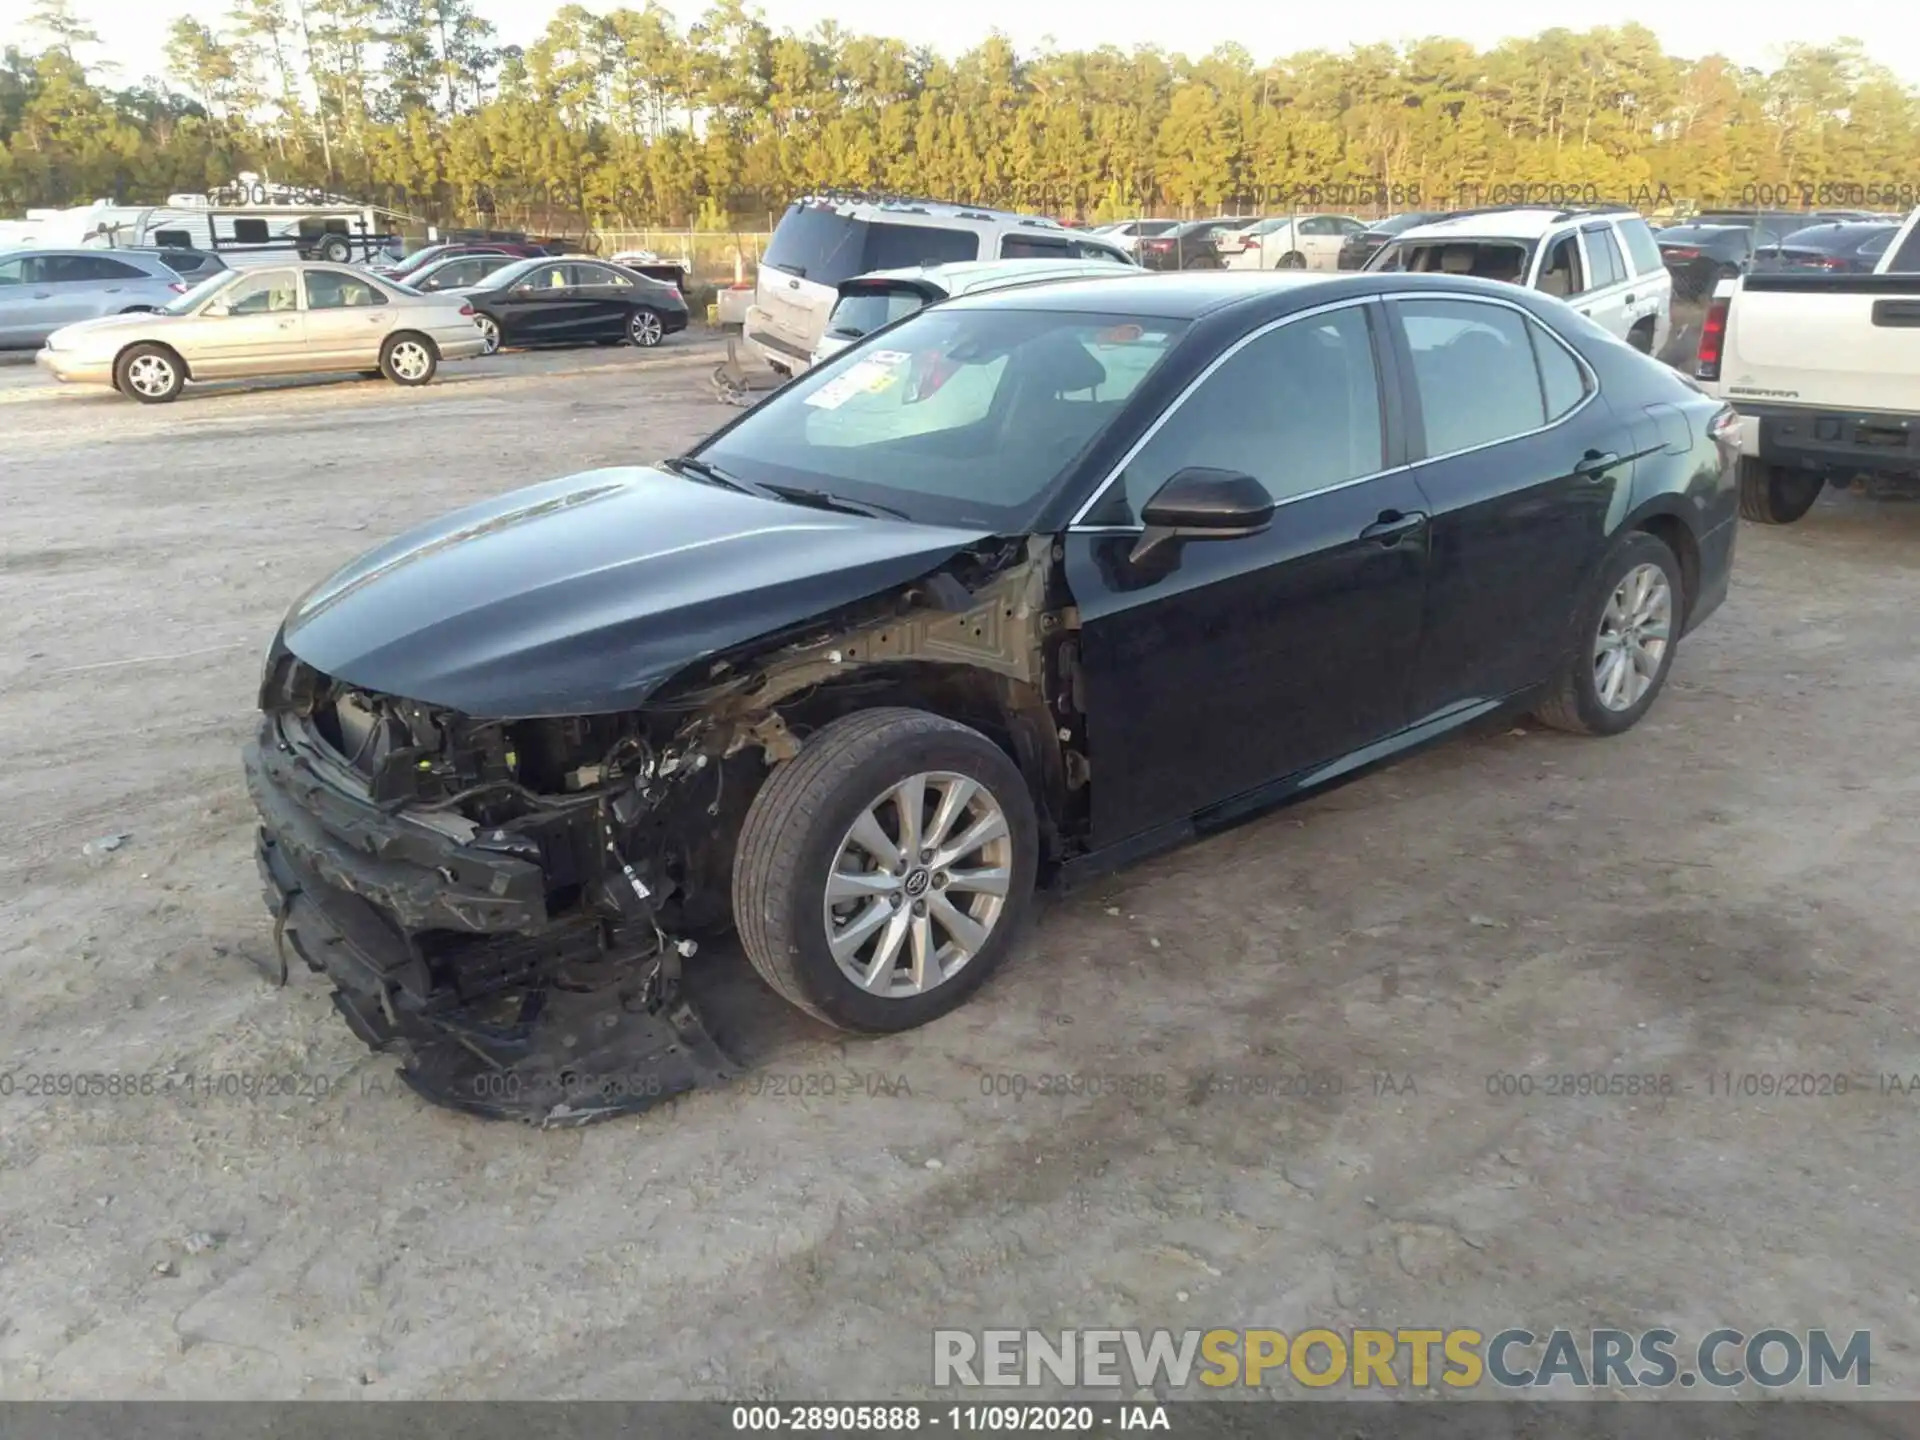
<point>1233,663</point>
<point>1511,447</point>
<point>253,327</point>
<point>546,306</point>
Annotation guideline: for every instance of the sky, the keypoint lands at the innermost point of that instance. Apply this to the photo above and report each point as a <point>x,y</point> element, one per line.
<point>1750,32</point>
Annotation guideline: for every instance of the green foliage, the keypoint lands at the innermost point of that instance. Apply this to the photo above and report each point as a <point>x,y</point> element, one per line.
<point>621,118</point>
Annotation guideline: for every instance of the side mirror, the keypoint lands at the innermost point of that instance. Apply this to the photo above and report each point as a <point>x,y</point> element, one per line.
<point>218,310</point>
<point>1200,503</point>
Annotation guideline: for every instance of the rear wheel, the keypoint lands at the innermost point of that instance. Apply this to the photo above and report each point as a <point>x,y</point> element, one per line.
<point>885,871</point>
<point>490,337</point>
<point>335,250</point>
<point>1774,494</point>
<point>646,329</point>
<point>408,359</point>
<point>1623,641</point>
<point>1292,260</point>
<point>151,374</point>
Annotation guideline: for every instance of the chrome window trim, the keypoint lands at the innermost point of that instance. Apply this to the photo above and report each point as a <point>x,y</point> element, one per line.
<point>1078,524</point>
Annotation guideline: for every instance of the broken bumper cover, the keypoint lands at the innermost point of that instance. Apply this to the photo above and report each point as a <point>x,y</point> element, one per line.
<point>371,901</point>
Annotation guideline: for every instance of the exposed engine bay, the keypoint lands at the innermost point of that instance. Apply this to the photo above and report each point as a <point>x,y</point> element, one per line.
<point>509,904</point>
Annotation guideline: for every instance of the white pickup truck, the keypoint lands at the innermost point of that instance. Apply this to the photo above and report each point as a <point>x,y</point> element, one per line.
<point>1825,373</point>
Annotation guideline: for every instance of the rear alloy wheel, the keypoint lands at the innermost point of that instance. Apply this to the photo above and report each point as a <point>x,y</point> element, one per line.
<point>1292,260</point>
<point>1775,495</point>
<point>1625,639</point>
<point>646,329</point>
<point>885,871</point>
<point>489,329</point>
<point>408,359</point>
<point>151,374</point>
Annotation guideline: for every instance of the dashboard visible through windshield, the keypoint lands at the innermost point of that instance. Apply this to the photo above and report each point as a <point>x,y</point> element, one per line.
<point>953,417</point>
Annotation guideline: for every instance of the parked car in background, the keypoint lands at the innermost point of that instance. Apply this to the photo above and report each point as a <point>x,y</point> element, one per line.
<point>1602,261</point>
<point>1190,245</point>
<point>409,265</point>
<point>572,302</point>
<point>1288,242</point>
<point>456,272</point>
<point>868,302</point>
<point>192,266</point>
<point>42,290</point>
<point>1357,250</point>
<point>1825,375</point>
<point>823,240</point>
<point>1716,245</point>
<point>1127,234</point>
<point>838,670</point>
<point>1834,247</point>
<point>297,318</point>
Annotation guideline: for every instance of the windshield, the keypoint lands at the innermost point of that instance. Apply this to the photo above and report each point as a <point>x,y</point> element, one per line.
<point>182,304</point>
<point>954,416</point>
<point>860,312</point>
<point>424,253</point>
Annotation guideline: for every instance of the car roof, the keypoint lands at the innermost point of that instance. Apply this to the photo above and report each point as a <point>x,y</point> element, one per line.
<point>1191,294</point>
<point>963,275</point>
<point>1840,230</point>
<point>1517,224</point>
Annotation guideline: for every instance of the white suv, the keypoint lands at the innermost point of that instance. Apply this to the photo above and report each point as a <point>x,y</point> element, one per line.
<point>1603,262</point>
<point>822,241</point>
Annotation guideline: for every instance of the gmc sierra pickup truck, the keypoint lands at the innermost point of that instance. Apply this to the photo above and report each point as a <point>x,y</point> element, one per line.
<point>1824,371</point>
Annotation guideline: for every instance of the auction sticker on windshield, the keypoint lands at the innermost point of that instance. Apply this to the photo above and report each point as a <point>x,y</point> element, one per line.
<point>873,374</point>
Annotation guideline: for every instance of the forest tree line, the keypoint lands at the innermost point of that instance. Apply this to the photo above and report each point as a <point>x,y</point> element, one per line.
<point>623,118</point>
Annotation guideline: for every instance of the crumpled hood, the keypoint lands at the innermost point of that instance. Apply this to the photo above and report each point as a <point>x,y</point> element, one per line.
<point>581,595</point>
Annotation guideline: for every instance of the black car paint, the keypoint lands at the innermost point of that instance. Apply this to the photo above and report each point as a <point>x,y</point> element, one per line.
<point>1837,247</point>
<point>618,579</point>
<point>1359,249</point>
<point>570,314</point>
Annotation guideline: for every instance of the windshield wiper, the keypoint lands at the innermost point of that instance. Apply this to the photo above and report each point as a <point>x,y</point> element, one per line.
<point>823,500</point>
<point>712,474</point>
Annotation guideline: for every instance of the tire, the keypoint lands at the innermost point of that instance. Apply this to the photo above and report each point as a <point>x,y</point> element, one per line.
<point>151,374</point>
<point>1775,495</point>
<point>1575,700</point>
<point>490,335</point>
<point>1292,260</point>
<point>799,828</point>
<point>335,250</point>
<point>645,328</point>
<point>409,358</point>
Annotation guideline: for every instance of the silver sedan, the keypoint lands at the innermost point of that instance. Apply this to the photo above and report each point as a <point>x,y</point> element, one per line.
<point>298,318</point>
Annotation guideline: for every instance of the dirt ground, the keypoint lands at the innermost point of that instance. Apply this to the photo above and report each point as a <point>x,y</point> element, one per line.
<point>1730,889</point>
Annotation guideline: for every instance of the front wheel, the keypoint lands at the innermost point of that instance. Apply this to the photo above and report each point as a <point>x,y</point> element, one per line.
<point>408,359</point>
<point>1292,260</point>
<point>885,871</point>
<point>1623,641</point>
<point>1773,494</point>
<point>646,329</point>
<point>151,374</point>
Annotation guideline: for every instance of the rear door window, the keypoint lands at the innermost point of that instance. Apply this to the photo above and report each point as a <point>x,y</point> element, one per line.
<point>1474,373</point>
<point>1603,258</point>
<point>893,246</point>
<point>1907,259</point>
<point>81,269</point>
<point>863,311</point>
<point>1640,245</point>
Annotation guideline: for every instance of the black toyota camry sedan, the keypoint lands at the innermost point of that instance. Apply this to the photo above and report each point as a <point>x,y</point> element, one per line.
<point>547,301</point>
<point>1023,587</point>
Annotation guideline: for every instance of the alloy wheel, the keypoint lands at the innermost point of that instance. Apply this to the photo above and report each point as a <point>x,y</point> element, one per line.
<point>645,328</point>
<point>410,360</point>
<point>1635,629</point>
<point>489,333</point>
<point>918,884</point>
<point>150,374</point>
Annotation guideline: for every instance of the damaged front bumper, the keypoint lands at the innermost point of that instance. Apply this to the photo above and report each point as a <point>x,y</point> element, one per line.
<point>453,955</point>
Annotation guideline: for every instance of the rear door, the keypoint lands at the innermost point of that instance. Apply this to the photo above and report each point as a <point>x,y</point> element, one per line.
<point>1520,461</point>
<point>1609,300</point>
<point>608,297</point>
<point>347,318</point>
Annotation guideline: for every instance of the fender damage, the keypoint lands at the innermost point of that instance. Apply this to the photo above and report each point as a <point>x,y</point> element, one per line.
<point>508,905</point>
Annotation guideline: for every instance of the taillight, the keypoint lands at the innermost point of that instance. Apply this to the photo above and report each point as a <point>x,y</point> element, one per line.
<point>1677,252</point>
<point>176,287</point>
<point>1713,337</point>
<point>467,310</point>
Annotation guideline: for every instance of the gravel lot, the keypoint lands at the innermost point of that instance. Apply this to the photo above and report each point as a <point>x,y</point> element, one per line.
<point>1730,888</point>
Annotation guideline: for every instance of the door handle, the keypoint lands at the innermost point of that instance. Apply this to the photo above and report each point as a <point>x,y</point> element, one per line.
<point>1392,525</point>
<point>1593,465</point>
<point>43,294</point>
<point>285,324</point>
<point>1630,299</point>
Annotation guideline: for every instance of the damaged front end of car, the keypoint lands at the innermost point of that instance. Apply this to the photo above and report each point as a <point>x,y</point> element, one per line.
<point>508,904</point>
